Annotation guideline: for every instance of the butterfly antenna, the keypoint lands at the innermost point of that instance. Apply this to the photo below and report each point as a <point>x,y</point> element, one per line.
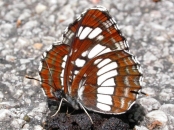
<point>139,93</point>
<point>86,112</point>
<point>144,93</point>
<point>28,77</point>
<point>59,107</point>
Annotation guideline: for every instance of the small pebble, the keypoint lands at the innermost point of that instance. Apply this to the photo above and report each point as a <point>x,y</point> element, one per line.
<point>168,109</point>
<point>149,57</point>
<point>1,95</point>
<point>40,8</point>
<point>149,91</point>
<point>17,123</point>
<point>158,117</point>
<point>38,127</point>
<point>150,103</point>
<point>10,58</point>
<point>30,25</point>
<point>18,94</point>
<point>5,115</point>
<point>26,118</point>
<point>24,61</point>
<point>140,128</point>
<point>38,46</point>
<point>129,30</point>
<point>164,96</point>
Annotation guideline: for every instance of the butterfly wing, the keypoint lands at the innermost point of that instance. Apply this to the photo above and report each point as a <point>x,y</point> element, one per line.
<point>100,72</point>
<point>109,83</point>
<point>52,69</point>
<point>96,33</point>
<point>53,63</point>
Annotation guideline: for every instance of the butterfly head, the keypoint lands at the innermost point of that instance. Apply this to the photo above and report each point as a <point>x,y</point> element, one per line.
<point>74,102</point>
<point>59,94</point>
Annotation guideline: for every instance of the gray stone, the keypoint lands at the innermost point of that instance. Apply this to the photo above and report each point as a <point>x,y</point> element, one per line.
<point>25,127</point>
<point>168,109</point>
<point>164,96</point>
<point>10,58</point>
<point>157,26</point>
<point>9,104</point>
<point>6,52</point>
<point>24,61</point>
<point>51,18</point>
<point>12,15</point>
<point>5,115</point>
<point>157,116</point>
<point>17,123</point>
<point>140,128</point>
<point>22,42</point>
<point>38,127</point>
<point>38,111</point>
<point>18,94</point>
<point>129,30</point>
<point>53,2</point>
<point>1,95</point>
<point>30,25</point>
<point>25,15</point>
<point>40,8</point>
<point>149,57</point>
<point>160,38</point>
<point>149,103</point>
<point>8,66</point>
<point>8,30</point>
<point>48,40</point>
<point>150,91</point>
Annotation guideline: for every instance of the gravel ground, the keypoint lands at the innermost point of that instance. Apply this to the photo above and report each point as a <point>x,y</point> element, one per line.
<point>28,27</point>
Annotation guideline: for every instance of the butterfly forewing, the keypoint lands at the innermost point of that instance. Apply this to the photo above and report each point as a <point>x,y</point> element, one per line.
<point>69,33</point>
<point>96,34</point>
<point>52,69</point>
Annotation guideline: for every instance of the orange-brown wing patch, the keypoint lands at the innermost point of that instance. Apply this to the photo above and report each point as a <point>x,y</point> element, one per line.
<point>52,68</point>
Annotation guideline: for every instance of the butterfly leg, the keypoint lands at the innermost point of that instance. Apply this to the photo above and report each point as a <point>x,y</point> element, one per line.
<point>63,99</point>
<point>86,112</point>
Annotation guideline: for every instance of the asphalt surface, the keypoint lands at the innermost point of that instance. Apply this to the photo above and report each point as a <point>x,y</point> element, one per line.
<point>28,28</point>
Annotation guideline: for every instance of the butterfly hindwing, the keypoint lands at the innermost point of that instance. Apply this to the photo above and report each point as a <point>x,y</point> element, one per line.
<point>106,83</point>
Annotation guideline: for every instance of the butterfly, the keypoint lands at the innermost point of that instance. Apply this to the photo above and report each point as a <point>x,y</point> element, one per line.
<point>92,67</point>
